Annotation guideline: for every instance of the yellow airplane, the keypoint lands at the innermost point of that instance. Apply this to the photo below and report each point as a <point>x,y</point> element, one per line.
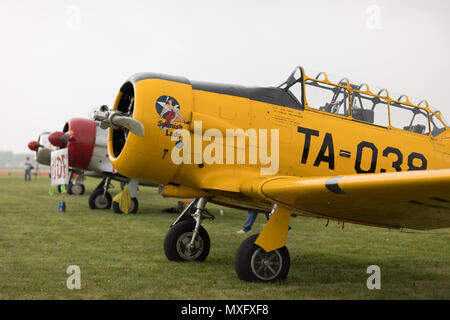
<point>334,150</point>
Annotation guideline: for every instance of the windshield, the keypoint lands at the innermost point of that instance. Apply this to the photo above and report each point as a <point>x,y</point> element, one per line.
<point>293,85</point>
<point>437,112</point>
<point>293,77</point>
<point>360,103</point>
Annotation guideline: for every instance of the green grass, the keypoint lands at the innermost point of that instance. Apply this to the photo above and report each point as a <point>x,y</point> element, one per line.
<point>122,256</point>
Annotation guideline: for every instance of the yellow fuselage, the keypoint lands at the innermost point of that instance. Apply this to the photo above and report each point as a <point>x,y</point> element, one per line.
<point>311,142</point>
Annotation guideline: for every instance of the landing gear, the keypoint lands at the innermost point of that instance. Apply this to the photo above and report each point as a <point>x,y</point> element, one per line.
<point>76,189</point>
<point>252,263</point>
<point>186,239</point>
<point>76,186</point>
<point>132,186</point>
<point>100,198</point>
<point>134,206</point>
<point>178,244</point>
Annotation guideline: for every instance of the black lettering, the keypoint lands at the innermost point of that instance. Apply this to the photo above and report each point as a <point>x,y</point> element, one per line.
<point>308,133</point>
<point>373,163</point>
<point>396,164</point>
<point>421,157</point>
<point>327,144</point>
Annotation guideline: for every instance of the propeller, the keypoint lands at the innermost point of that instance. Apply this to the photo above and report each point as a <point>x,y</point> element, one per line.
<point>59,139</point>
<point>34,145</point>
<point>116,120</point>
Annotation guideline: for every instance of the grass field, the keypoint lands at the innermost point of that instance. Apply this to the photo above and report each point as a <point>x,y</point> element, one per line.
<point>122,257</point>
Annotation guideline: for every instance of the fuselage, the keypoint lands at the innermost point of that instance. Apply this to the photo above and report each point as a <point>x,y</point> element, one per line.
<point>312,140</point>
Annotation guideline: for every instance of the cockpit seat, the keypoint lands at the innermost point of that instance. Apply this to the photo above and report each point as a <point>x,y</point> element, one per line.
<point>326,107</point>
<point>418,128</point>
<point>363,115</point>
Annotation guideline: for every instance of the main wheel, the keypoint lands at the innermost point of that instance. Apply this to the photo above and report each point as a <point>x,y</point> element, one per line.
<point>98,201</point>
<point>252,263</point>
<point>75,189</point>
<point>178,238</point>
<point>134,206</point>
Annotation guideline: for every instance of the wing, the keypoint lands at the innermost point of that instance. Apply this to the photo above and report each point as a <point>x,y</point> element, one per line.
<point>412,199</point>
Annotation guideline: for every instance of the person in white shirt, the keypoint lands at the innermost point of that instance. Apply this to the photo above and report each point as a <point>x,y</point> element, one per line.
<point>28,167</point>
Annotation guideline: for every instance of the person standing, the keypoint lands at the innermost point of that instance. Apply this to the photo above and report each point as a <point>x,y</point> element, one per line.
<point>251,217</point>
<point>28,167</point>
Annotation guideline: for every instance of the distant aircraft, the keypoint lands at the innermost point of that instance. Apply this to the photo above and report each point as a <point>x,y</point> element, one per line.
<point>88,156</point>
<point>334,150</point>
<point>42,148</point>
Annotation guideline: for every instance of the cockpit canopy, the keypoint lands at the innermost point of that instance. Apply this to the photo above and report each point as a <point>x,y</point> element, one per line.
<point>359,103</point>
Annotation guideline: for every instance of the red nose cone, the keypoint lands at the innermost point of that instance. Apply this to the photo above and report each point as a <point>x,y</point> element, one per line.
<point>81,143</point>
<point>55,139</point>
<point>34,145</point>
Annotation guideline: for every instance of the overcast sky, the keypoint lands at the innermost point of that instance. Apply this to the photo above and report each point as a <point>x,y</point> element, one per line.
<point>60,58</point>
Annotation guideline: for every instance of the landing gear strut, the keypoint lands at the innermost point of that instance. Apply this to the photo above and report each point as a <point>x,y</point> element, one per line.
<point>186,239</point>
<point>100,198</point>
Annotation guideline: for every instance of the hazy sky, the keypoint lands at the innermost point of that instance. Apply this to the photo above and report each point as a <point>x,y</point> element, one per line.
<point>58,59</point>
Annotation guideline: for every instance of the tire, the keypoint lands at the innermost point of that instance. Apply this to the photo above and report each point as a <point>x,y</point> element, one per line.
<point>96,201</point>
<point>134,206</point>
<point>252,263</point>
<point>75,189</point>
<point>179,235</point>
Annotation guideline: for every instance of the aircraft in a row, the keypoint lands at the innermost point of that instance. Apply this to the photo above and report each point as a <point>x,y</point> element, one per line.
<point>310,146</point>
<point>88,156</point>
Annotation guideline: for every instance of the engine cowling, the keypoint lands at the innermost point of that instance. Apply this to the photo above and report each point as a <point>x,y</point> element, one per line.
<point>86,144</point>
<point>147,157</point>
<point>81,141</point>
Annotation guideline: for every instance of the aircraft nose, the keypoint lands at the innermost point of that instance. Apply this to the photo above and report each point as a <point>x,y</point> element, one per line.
<point>121,124</point>
<point>59,139</point>
<point>34,145</point>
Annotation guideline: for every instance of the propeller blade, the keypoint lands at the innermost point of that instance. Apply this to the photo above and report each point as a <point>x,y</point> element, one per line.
<point>65,137</point>
<point>128,123</point>
<point>115,119</point>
